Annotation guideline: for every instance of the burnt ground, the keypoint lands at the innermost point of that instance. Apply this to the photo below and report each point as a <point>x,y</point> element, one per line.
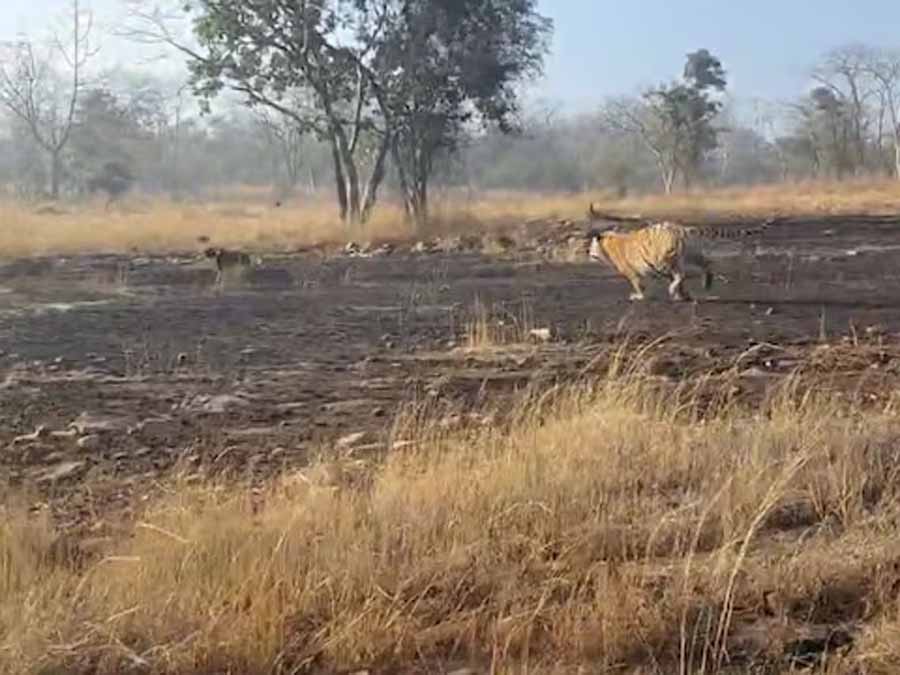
<point>135,365</point>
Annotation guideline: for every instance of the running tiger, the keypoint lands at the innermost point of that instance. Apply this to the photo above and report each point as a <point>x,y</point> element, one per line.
<point>661,249</point>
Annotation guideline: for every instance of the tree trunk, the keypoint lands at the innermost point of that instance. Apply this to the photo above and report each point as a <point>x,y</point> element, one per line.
<point>375,180</point>
<point>897,154</point>
<point>421,202</point>
<point>668,177</point>
<point>415,191</point>
<point>340,185</point>
<point>351,179</point>
<point>55,171</point>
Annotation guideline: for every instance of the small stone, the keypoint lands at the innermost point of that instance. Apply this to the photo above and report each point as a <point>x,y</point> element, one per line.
<point>219,404</point>
<point>160,429</point>
<point>61,471</point>
<point>89,443</point>
<point>540,334</point>
<point>355,439</point>
<point>35,435</point>
<point>88,423</point>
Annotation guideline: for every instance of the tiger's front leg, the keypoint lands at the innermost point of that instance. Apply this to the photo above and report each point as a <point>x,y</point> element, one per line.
<point>638,293</point>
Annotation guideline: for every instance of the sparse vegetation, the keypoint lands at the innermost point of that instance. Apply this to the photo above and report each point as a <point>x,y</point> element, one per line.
<point>161,226</point>
<point>340,466</point>
<point>623,526</point>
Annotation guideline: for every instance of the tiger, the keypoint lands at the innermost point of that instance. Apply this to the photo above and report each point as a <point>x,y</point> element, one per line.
<point>228,260</point>
<point>662,249</point>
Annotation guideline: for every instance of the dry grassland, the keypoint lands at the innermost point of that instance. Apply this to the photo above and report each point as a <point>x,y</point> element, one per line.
<point>246,220</point>
<point>614,528</point>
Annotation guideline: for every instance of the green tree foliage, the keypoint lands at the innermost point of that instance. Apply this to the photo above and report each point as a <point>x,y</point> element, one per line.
<point>406,75</point>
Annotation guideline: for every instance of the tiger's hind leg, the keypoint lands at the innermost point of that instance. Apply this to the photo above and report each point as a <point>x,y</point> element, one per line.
<point>697,259</point>
<point>676,287</point>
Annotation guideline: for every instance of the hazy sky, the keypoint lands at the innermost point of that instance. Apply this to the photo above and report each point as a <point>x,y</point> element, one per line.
<point>604,47</point>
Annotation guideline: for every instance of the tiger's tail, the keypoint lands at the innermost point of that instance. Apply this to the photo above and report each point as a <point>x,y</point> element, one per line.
<point>732,232</point>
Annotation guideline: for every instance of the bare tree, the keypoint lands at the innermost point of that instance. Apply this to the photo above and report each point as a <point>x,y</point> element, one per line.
<point>633,117</point>
<point>845,72</point>
<point>883,67</point>
<point>32,90</point>
<point>286,136</point>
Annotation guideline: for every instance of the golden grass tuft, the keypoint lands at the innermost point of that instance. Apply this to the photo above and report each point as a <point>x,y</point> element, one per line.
<point>612,529</point>
<point>244,219</point>
<point>492,328</point>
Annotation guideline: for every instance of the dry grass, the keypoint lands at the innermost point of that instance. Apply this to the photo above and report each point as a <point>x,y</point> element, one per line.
<point>614,528</point>
<point>496,327</point>
<point>247,220</point>
<point>858,197</point>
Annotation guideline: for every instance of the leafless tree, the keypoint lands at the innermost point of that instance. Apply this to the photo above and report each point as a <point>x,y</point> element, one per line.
<point>845,72</point>
<point>286,135</point>
<point>883,66</point>
<point>41,96</point>
<point>638,118</point>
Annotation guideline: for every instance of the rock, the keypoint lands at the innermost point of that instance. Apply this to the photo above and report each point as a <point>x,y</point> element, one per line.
<point>61,471</point>
<point>355,439</point>
<point>540,334</point>
<point>159,429</point>
<point>384,249</point>
<point>349,406</point>
<point>216,405</point>
<point>89,443</point>
<point>89,423</point>
<point>37,434</point>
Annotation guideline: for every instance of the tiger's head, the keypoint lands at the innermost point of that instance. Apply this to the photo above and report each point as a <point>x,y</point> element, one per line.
<point>595,238</point>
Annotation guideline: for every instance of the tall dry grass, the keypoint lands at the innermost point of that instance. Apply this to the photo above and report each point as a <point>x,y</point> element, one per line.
<point>245,219</point>
<point>616,528</point>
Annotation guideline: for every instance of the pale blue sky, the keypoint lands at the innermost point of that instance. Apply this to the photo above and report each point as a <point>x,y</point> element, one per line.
<point>604,47</point>
<point>767,46</point>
